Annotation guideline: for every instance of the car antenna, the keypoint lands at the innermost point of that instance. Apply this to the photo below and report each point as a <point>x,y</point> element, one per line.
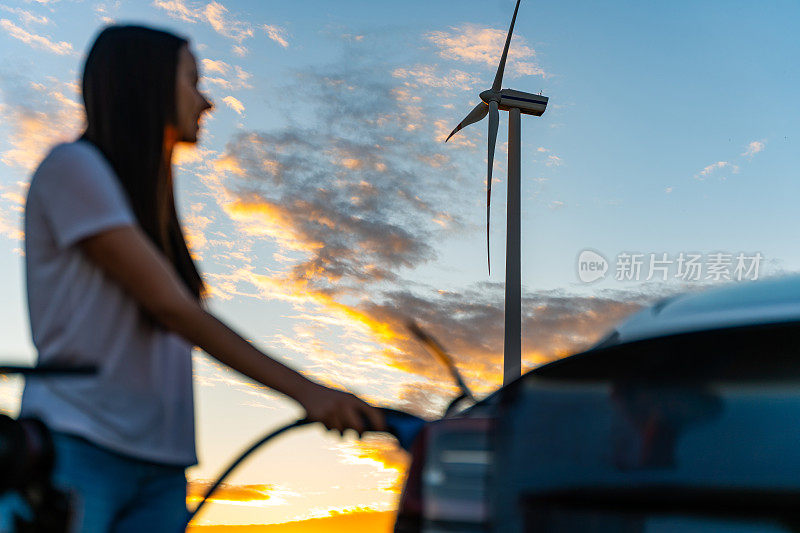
<point>439,352</point>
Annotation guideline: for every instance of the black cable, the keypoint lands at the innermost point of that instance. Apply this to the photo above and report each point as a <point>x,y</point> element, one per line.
<point>251,449</point>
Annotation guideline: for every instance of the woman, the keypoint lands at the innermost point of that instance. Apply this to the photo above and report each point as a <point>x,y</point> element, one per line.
<point>111,283</point>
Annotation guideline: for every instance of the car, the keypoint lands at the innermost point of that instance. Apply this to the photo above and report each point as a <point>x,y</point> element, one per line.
<point>685,417</point>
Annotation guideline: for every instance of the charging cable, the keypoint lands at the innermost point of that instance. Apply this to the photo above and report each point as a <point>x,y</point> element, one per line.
<point>403,426</point>
<point>242,457</point>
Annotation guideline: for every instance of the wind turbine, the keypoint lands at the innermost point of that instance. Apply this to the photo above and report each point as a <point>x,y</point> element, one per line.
<point>515,102</point>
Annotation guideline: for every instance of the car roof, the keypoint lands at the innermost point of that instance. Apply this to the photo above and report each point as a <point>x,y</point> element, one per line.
<point>738,304</point>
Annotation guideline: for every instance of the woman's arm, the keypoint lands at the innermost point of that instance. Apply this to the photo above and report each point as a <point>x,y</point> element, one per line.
<point>127,256</point>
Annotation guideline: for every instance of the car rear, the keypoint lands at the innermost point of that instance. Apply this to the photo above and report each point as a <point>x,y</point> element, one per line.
<point>697,432</point>
<point>685,418</point>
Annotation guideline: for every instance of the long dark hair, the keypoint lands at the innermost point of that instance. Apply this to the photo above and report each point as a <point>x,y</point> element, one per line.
<point>129,95</point>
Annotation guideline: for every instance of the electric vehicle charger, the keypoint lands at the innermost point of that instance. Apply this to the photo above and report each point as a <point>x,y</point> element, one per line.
<point>403,426</point>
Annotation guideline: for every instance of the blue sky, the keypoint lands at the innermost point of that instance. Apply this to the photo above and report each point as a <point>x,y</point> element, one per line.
<point>324,207</point>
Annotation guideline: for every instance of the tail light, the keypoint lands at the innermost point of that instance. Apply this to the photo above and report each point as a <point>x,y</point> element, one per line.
<point>446,483</point>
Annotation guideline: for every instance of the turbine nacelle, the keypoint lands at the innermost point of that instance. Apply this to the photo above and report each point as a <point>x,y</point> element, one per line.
<point>527,103</point>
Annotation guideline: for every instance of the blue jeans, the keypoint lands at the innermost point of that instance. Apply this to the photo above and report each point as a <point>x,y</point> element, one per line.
<point>116,493</point>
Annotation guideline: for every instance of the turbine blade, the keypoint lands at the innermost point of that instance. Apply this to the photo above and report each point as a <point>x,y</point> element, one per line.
<point>477,113</point>
<point>498,78</point>
<point>494,120</point>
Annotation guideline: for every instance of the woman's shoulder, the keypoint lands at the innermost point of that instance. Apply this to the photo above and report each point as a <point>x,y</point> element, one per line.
<point>78,152</point>
<point>77,158</point>
<point>73,172</point>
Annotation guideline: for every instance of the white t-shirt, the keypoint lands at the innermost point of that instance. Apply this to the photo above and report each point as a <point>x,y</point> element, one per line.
<point>140,402</point>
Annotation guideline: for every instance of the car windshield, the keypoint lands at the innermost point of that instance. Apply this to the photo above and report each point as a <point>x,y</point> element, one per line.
<point>758,353</point>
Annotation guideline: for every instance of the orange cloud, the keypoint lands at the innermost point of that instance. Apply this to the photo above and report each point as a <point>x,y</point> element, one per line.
<point>470,325</point>
<point>384,453</point>
<point>36,41</point>
<point>208,372</point>
<point>351,163</point>
<point>10,228</point>
<point>220,67</point>
<point>428,76</point>
<point>187,154</point>
<point>300,291</point>
<point>221,21</point>
<point>227,163</point>
<point>357,521</point>
<point>218,16</point>
<point>194,231</point>
<point>713,167</point>
<point>177,9</point>
<point>753,148</point>
<point>277,34</point>
<point>260,217</point>
<point>234,104</point>
<point>227,77</point>
<point>39,116</point>
<point>471,43</point>
<point>226,492</point>
<point>25,16</point>
<point>442,129</point>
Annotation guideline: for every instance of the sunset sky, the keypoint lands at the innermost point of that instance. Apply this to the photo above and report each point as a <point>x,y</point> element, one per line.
<point>324,208</point>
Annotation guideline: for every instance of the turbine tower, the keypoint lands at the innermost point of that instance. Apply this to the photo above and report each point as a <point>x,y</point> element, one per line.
<point>515,102</point>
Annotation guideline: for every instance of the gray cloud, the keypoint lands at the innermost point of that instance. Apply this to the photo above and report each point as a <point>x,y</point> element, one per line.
<point>470,323</point>
<point>365,193</point>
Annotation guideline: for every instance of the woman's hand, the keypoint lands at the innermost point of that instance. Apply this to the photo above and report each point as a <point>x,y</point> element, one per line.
<point>339,410</point>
